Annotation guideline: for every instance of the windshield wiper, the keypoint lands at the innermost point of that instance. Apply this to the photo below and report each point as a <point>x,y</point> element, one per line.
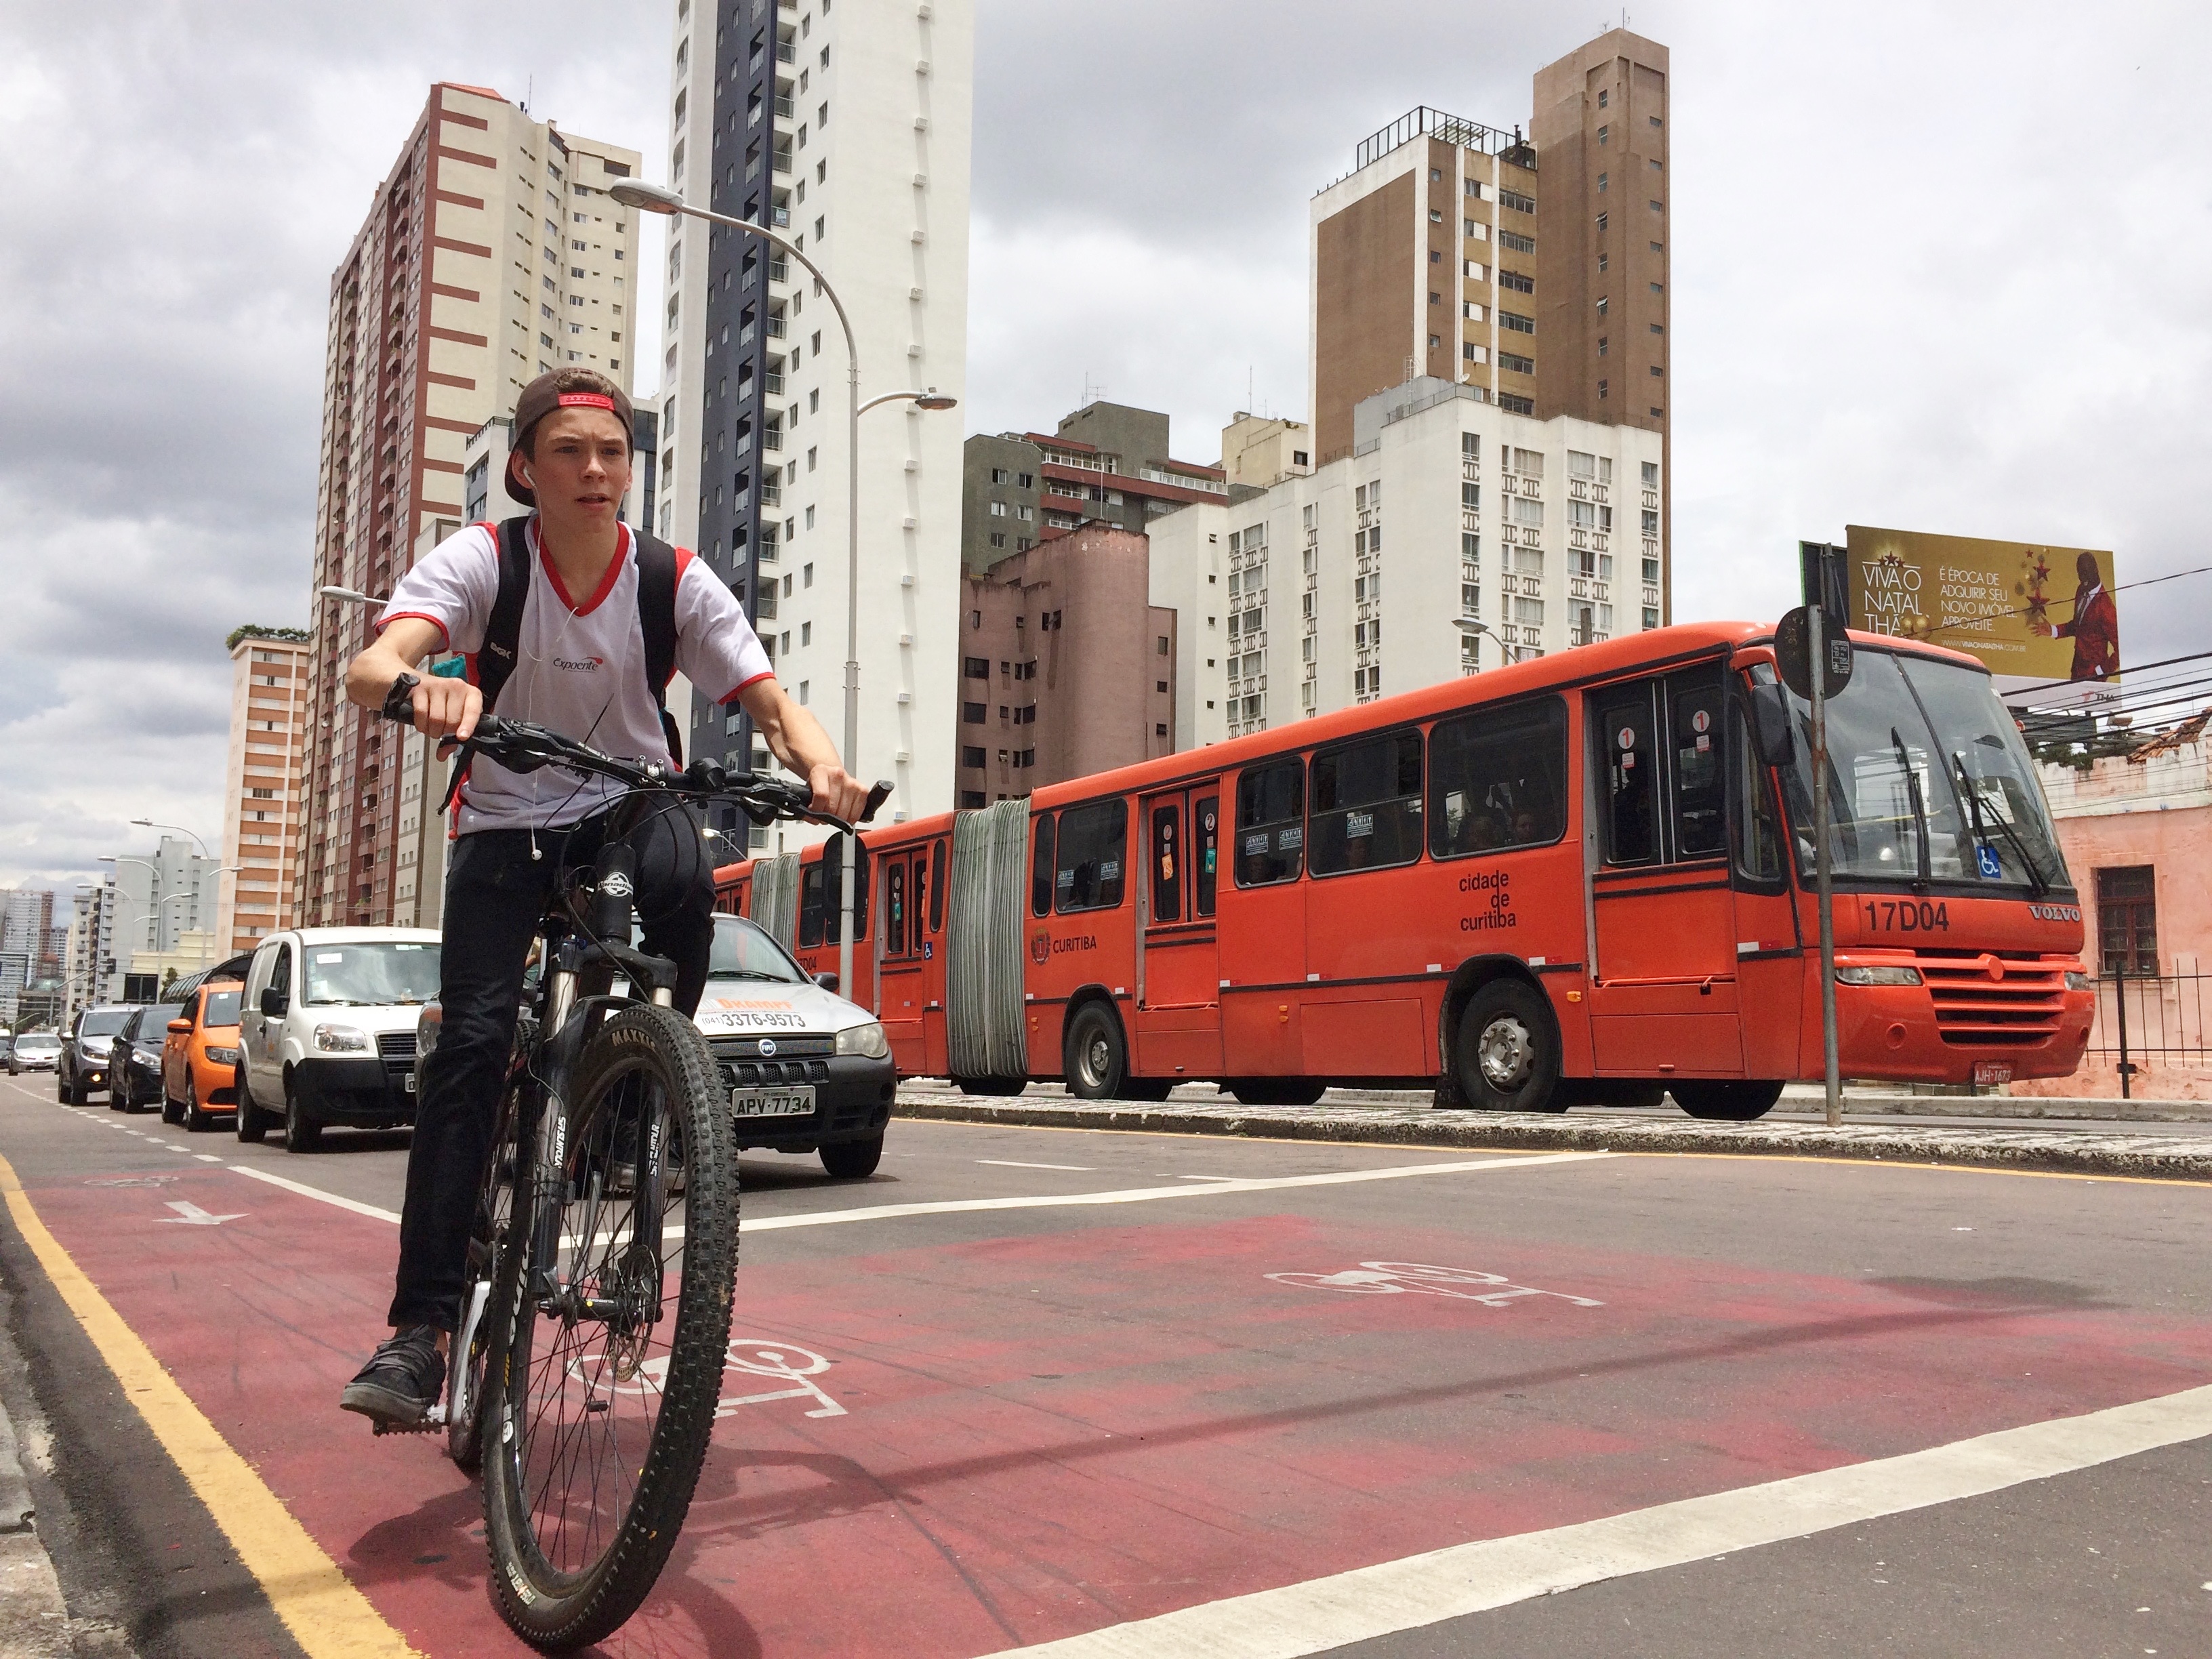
<point>1912,792</point>
<point>753,973</point>
<point>2038,883</point>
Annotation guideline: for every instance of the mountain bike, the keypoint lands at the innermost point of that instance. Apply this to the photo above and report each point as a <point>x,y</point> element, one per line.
<point>584,1378</point>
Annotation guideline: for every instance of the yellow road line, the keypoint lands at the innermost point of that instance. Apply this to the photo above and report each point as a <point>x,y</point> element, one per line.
<point>326,1614</point>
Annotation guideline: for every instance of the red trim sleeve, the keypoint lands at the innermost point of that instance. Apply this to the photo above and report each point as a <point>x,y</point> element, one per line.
<point>730,695</point>
<point>445,639</point>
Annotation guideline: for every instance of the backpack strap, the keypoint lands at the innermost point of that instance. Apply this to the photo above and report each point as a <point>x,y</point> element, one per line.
<point>660,572</point>
<point>491,665</point>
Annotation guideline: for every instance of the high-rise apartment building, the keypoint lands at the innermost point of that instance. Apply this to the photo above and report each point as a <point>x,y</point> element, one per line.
<point>27,925</point>
<point>1601,127</point>
<point>1107,463</point>
<point>491,254</point>
<point>262,809</point>
<point>1346,584</point>
<point>845,129</point>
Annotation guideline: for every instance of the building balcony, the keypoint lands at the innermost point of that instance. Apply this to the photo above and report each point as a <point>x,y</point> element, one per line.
<point>1651,501</point>
<point>783,109</point>
<point>780,218</point>
<point>775,325</point>
<point>779,270</point>
<point>771,494</point>
<point>783,160</point>
<point>772,439</point>
<point>764,604</point>
<point>773,381</point>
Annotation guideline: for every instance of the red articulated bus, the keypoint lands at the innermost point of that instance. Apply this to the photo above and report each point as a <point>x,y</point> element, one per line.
<point>1584,879</point>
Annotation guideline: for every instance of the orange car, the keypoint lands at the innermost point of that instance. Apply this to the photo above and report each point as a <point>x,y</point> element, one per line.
<point>199,1061</point>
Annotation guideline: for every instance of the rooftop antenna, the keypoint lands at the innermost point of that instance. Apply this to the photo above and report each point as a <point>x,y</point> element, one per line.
<point>529,90</point>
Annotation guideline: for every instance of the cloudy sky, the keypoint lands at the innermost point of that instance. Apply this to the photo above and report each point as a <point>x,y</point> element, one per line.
<point>1936,266</point>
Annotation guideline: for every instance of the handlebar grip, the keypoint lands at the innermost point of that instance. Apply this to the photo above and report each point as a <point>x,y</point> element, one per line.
<point>877,797</point>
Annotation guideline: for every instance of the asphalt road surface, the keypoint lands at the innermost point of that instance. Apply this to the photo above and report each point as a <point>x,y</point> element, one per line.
<point>1185,1398</point>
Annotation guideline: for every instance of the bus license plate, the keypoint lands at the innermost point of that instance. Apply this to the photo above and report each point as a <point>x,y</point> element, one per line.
<point>1988,1073</point>
<point>773,1102</point>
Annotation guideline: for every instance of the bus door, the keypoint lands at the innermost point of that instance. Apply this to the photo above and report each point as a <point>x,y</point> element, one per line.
<point>1770,945</point>
<point>902,938</point>
<point>936,1054</point>
<point>1663,983</point>
<point>1178,1006</point>
<point>1262,945</point>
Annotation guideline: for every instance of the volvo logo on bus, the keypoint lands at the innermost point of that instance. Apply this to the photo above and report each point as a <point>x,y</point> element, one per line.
<point>2055,912</point>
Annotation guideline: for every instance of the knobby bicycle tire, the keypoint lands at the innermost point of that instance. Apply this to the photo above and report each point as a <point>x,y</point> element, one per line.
<point>560,1456</point>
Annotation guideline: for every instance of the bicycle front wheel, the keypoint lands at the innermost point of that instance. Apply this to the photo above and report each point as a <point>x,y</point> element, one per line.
<point>612,1325</point>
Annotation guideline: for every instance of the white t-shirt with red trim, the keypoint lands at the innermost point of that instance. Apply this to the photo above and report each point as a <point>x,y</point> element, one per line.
<point>578,665</point>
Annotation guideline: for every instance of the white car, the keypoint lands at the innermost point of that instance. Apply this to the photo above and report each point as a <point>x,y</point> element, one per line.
<point>326,1032</point>
<point>35,1051</point>
<point>807,1070</point>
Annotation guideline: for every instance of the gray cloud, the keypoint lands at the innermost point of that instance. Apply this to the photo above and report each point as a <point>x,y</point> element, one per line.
<point>1934,266</point>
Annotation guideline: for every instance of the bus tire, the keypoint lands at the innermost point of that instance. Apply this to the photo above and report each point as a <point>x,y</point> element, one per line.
<point>1507,1053</point>
<point>1095,1055</point>
<point>1277,1091</point>
<point>1725,1100</point>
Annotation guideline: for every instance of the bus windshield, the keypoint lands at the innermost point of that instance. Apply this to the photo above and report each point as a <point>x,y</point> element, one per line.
<point>1928,779</point>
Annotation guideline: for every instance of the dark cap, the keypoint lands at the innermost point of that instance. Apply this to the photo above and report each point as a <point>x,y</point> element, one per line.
<point>564,388</point>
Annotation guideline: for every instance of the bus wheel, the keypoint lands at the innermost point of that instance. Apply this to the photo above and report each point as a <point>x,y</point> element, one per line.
<point>1508,1058</point>
<point>1723,1099</point>
<point>1095,1056</point>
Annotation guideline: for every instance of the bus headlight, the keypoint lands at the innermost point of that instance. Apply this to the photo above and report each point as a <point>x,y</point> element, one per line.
<point>2078,982</point>
<point>341,1040</point>
<point>1877,976</point>
<point>866,1040</point>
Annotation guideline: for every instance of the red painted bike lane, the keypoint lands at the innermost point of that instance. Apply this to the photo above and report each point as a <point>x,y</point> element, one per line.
<point>952,1450</point>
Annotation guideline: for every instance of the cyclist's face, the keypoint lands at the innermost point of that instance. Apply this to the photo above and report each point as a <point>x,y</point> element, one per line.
<point>582,465</point>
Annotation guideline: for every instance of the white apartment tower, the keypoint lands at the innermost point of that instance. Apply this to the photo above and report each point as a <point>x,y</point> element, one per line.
<point>844,128</point>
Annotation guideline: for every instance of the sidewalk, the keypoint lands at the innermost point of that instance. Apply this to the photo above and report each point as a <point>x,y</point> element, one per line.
<point>1409,1119</point>
<point>34,1621</point>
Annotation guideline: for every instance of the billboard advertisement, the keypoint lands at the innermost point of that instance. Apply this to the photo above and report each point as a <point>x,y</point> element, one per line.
<point>2031,613</point>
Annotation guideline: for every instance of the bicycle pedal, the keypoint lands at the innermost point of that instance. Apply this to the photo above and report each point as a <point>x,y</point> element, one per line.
<point>426,1426</point>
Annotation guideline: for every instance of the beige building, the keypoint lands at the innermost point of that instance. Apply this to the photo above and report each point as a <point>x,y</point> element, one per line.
<point>1261,449</point>
<point>491,254</point>
<point>262,810</point>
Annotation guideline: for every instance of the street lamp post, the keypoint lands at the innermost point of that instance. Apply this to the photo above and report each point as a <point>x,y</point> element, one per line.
<point>1475,625</point>
<point>654,198</point>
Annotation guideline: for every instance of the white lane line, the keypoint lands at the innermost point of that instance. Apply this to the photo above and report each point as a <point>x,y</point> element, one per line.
<point>1016,1163</point>
<point>1063,1200</point>
<point>207,1158</point>
<point>306,1191</point>
<point>1373,1602</point>
<point>1153,1194</point>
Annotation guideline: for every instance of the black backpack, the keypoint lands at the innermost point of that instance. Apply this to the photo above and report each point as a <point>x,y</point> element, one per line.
<point>659,568</point>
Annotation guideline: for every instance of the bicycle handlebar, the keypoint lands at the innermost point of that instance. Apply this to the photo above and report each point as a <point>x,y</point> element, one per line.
<point>523,747</point>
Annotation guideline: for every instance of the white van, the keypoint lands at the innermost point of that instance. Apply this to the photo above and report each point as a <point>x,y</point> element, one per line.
<point>327,1030</point>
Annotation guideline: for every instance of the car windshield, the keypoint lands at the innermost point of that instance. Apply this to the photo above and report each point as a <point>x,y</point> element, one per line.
<point>153,1024</point>
<point>742,950</point>
<point>103,1022</point>
<point>371,976</point>
<point>37,1045</point>
<point>221,1008</point>
<point>1927,775</point>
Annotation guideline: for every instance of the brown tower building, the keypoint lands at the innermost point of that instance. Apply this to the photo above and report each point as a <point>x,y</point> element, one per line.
<point>1600,127</point>
<point>490,254</point>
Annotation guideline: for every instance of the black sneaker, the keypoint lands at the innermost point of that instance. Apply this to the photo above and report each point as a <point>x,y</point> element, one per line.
<point>401,1381</point>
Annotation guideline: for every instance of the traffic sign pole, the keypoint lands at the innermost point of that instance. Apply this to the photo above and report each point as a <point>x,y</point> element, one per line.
<point>1822,877</point>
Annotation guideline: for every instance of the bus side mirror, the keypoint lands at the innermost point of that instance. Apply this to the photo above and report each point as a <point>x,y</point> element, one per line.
<point>1770,720</point>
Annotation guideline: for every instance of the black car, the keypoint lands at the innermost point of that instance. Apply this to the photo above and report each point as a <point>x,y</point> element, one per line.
<point>87,1050</point>
<point>134,1072</point>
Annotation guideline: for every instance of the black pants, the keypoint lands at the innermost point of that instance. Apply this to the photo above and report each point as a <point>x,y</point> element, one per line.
<point>495,894</point>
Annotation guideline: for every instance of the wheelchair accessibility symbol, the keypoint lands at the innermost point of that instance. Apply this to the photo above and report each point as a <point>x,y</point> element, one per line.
<point>1423,1279</point>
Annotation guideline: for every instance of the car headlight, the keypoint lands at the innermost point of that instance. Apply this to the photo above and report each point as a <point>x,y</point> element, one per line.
<point>1877,976</point>
<point>341,1040</point>
<point>2078,982</point>
<point>221,1056</point>
<point>868,1040</point>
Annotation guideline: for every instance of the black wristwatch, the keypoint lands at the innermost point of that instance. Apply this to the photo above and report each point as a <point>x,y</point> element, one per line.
<point>399,702</point>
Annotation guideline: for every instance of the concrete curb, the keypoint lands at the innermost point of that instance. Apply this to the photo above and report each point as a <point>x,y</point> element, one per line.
<point>2066,1152</point>
<point>34,1617</point>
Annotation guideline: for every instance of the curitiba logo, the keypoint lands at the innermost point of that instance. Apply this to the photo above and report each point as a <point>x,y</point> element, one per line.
<point>615,885</point>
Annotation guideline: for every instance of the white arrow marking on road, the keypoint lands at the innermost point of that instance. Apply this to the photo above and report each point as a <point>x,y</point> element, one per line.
<point>191,1215</point>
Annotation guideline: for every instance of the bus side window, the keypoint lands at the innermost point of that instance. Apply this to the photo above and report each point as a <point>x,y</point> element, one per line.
<point>1166,866</point>
<point>832,894</point>
<point>1757,830</point>
<point>1205,841</point>
<point>1497,779</point>
<point>1271,827</point>
<point>1623,727</point>
<point>810,907</point>
<point>937,885</point>
<point>1698,784</point>
<point>895,907</point>
<point>1087,875</point>
<point>1041,867</point>
<point>1366,808</point>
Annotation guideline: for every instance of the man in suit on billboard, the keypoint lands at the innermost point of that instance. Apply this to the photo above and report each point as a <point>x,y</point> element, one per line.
<point>2095,630</point>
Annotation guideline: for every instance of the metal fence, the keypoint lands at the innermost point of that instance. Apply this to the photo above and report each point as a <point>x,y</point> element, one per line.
<point>2153,1017</point>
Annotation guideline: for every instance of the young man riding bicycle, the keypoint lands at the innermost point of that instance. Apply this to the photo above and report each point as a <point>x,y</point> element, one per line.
<point>587,657</point>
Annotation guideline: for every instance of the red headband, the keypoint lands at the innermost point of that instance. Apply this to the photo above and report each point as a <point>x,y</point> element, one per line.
<point>587,399</point>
